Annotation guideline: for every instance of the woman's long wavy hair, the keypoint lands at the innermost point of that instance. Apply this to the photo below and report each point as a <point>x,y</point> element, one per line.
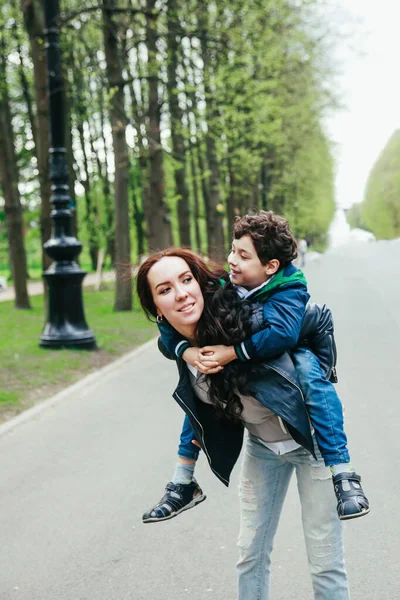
<point>225,320</point>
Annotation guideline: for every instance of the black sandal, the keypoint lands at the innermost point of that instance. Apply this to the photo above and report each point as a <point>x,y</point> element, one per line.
<point>352,501</point>
<point>177,498</point>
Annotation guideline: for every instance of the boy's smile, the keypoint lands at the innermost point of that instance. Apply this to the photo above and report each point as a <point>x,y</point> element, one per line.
<point>246,268</point>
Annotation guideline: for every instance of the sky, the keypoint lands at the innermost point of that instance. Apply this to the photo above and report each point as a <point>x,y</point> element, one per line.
<point>369,86</point>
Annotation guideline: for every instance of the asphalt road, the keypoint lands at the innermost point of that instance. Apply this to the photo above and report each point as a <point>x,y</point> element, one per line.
<point>75,480</point>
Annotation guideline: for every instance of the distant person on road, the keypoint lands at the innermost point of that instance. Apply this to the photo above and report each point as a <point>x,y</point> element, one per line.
<point>302,247</point>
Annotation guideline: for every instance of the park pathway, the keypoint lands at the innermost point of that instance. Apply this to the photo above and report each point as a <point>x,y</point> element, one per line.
<point>75,480</point>
<point>35,288</point>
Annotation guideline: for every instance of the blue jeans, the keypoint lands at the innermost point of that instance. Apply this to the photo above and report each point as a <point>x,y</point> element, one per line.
<point>264,482</point>
<point>186,448</point>
<point>324,408</point>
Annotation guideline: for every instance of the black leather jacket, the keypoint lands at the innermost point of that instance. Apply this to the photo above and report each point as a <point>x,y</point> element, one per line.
<point>274,384</point>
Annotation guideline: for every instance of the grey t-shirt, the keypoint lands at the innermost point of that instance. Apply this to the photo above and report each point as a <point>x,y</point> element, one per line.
<point>258,420</point>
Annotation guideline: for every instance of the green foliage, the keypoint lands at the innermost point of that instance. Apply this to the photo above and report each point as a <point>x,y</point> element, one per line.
<point>380,210</point>
<point>267,86</point>
<point>269,76</point>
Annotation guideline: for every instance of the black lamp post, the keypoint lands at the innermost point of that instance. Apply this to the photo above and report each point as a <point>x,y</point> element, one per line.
<point>66,325</point>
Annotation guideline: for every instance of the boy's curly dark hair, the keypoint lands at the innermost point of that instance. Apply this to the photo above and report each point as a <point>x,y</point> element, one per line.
<point>225,320</point>
<point>271,236</point>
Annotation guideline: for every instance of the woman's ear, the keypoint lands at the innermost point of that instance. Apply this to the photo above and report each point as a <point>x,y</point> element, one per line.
<point>272,267</point>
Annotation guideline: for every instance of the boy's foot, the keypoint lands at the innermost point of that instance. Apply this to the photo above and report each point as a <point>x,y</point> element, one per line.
<point>177,498</point>
<point>352,502</point>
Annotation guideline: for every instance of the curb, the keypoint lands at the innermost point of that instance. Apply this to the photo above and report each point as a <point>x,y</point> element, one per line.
<point>90,379</point>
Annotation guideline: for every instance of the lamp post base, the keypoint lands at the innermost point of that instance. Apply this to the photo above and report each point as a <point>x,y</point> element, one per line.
<point>57,343</point>
<point>66,326</point>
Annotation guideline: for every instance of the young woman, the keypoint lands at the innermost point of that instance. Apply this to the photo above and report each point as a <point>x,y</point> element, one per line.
<point>176,285</point>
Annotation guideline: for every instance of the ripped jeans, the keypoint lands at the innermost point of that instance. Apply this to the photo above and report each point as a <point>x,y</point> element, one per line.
<point>264,482</point>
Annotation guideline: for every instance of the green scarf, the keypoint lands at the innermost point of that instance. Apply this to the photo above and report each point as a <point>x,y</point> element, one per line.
<point>279,280</point>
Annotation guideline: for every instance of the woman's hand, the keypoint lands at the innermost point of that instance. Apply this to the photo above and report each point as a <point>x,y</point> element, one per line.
<point>211,359</point>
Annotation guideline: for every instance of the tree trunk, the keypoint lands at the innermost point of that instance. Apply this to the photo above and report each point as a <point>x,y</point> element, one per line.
<point>107,227</point>
<point>110,217</point>
<point>91,208</point>
<point>263,184</point>
<point>137,213</point>
<point>156,210</point>
<point>231,200</point>
<point>26,95</point>
<point>34,23</point>
<point>216,243</point>
<point>196,158</point>
<point>205,192</point>
<point>138,117</point>
<point>176,115</point>
<point>123,296</point>
<point>91,212</point>
<point>195,199</point>
<point>215,213</point>
<point>141,166</point>
<point>12,203</point>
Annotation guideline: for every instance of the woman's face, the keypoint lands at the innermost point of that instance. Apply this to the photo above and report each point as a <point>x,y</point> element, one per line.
<point>176,294</point>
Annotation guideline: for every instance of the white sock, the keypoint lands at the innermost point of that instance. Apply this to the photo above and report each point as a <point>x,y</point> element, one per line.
<point>341,468</point>
<point>183,473</point>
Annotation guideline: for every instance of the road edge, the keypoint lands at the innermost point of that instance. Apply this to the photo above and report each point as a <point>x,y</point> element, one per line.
<point>90,379</point>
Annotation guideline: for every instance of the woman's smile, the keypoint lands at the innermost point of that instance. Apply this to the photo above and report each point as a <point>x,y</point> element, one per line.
<point>187,308</point>
<point>176,294</point>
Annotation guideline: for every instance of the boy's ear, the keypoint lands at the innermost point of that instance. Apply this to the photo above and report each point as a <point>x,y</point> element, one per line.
<point>272,267</point>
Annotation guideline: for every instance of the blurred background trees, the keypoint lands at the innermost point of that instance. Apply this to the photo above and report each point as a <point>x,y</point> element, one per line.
<point>180,115</point>
<point>380,210</point>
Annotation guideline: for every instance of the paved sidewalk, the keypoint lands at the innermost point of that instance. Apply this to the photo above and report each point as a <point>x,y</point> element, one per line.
<point>35,288</point>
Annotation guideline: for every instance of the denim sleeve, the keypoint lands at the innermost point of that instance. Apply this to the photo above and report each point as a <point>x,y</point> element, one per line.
<point>174,342</point>
<point>283,314</point>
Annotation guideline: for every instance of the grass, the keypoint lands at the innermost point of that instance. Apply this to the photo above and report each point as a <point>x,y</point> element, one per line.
<point>29,374</point>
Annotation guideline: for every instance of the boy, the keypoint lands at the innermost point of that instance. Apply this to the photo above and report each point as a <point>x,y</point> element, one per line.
<point>261,270</point>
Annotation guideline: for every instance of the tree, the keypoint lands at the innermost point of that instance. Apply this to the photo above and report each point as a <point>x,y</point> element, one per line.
<point>9,182</point>
<point>182,116</point>
<point>123,295</point>
<point>176,117</point>
<point>216,243</point>
<point>157,213</point>
<point>34,22</point>
<point>380,210</point>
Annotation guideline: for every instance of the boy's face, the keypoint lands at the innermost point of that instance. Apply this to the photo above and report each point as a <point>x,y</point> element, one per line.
<point>246,268</point>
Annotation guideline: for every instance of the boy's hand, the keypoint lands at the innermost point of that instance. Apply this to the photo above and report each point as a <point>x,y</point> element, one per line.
<point>211,359</point>
<point>208,366</point>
